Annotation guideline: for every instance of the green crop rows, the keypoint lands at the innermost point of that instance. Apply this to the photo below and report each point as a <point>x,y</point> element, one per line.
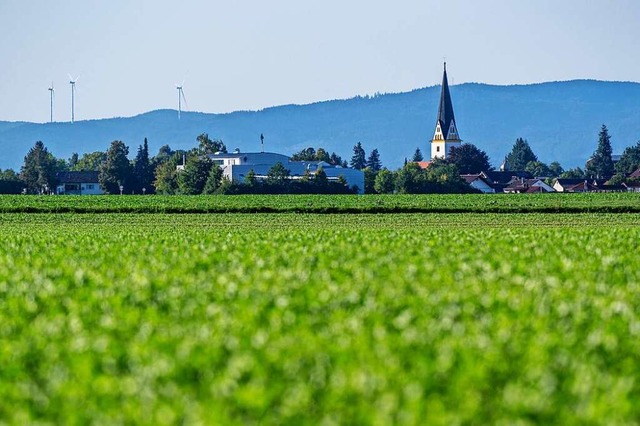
<point>319,319</point>
<point>468,203</point>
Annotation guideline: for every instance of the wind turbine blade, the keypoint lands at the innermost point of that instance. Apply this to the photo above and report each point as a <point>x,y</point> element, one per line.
<point>77,78</point>
<point>70,78</point>
<point>184,99</point>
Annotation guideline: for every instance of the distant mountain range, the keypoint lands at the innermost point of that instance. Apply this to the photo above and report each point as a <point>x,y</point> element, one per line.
<point>560,120</point>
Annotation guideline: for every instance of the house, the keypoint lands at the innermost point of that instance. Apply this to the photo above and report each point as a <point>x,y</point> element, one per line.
<point>586,185</point>
<point>477,181</point>
<point>583,186</point>
<point>632,186</point>
<point>563,185</point>
<point>78,183</point>
<point>635,175</point>
<point>500,180</point>
<point>520,186</point>
<point>237,165</point>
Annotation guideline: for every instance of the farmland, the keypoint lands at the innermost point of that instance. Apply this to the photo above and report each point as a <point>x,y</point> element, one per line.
<point>445,203</point>
<point>319,318</point>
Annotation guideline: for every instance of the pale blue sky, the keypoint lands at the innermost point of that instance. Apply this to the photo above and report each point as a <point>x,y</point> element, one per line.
<point>251,54</point>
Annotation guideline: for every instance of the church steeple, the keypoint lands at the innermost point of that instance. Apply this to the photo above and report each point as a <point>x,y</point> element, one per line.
<point>446,133</point>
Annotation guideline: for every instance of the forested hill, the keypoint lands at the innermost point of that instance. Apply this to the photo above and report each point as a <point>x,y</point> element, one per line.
<point>559,119</point>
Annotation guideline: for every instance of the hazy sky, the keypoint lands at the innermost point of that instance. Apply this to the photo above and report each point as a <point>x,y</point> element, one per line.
<point>250,54</point>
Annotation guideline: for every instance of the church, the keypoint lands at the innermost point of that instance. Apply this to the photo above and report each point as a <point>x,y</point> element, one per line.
<point>446,134</point>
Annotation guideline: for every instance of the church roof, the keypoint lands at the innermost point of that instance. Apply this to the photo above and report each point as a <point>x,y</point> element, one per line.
<point>445,111</point>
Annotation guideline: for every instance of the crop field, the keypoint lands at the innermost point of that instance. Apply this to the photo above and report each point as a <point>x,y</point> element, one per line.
<point>290,318</point>
<point>444,203</point>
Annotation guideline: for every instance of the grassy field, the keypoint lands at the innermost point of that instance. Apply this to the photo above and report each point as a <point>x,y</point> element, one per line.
<point>447,203</point>
<point>320,319</point>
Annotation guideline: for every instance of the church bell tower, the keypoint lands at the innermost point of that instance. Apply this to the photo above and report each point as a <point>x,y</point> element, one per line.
<point>446,134</point>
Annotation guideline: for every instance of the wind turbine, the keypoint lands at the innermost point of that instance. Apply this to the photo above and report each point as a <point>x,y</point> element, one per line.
<point>181,98</point>
<point>72,82</point>
<point>51,93</point>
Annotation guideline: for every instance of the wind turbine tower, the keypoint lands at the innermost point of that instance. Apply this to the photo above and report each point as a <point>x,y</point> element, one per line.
<point>180,98</point>
<point>51,92</point>
<point>72,82</point>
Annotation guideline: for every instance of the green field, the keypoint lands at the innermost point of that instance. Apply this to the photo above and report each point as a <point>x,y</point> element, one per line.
<point>320,318</point>
<point>446,203</point>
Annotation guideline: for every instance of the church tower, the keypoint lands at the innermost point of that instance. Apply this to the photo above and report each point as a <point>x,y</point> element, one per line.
<point>446,134</point>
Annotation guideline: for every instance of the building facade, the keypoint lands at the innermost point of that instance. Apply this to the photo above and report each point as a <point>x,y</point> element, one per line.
<point>78,183</point>
<point>446,134</point>
<point>237,165</point>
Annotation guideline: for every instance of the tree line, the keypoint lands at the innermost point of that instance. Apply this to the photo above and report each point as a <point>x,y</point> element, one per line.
<point>199,175</point>
<point>599,166</point>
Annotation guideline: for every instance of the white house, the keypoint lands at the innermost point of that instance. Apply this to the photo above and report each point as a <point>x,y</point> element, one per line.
<point>236,166</point>
<point>477,181</point>
<point>565,184</point>
<point>78,183</point>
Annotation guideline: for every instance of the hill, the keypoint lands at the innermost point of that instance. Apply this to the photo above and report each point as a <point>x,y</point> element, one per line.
<point>559,119</point>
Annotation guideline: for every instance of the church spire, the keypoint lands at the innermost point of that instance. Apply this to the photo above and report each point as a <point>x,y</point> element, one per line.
<point>446,135</point>
<point>445,111</point>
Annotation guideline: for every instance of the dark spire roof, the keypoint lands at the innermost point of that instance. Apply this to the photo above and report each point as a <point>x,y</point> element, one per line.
<point>445,111</point>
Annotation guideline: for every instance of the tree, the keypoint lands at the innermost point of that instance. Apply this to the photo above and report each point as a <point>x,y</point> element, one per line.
<point>358,160</point>
<point>9,174</point>
<point>384,183</point>
<point>556,169</point>
<point>444,173</point>
<point>469,159</point>
<point>165,153</point>
<point>208,146</point>
<point>192,179</point>
<point>369,180</point>
<point>90,161</point>
<point>521,154</point>
<point>116,170</point>
<point>617,179</point>
<point>214,180</point>
<point>600,165</point>
<point>417,155</point>
<point>538,169</point>
<point>142,172</point>
<point>322,155</point>
<point>73,160</point>
<point>373,162</point>
<point>250,179</point>
<point>10,182</point>
<point>320,179</point>
<point>336,160</point>
<point>278,175</point>
<point>410,179</point>
<point>630,159</point>
<point>39,170</point>
<point>306,154</point>
<point>576,173</point>
<point>166,181</point>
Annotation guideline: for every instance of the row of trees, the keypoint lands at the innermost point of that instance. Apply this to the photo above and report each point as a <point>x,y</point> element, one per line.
<point>142,174</point>
<point>199,175</point>
<point>599,166</point>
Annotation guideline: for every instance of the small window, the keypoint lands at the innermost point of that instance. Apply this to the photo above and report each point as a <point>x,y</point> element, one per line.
<point>437,149</point>
<point>89,186</point>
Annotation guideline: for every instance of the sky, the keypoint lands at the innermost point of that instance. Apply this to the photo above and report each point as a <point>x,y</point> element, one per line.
<point>252,54</point>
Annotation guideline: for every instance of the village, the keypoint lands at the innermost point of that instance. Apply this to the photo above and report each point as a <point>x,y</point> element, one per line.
<point>452,167</point>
